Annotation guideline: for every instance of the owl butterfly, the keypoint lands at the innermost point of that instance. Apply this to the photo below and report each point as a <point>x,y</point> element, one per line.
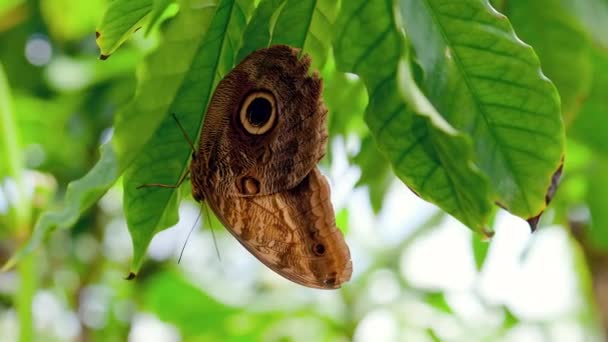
<point>263,134</point>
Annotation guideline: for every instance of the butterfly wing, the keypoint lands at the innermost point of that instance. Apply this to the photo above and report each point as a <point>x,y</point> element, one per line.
<point>266,121</point>
<point>263,134</point>
<point>292,232</point>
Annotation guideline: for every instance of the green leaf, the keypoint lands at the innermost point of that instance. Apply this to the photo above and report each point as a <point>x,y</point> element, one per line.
<point>51,132</point>
<point>346,100</point>
<point>432,335</point>
<point>258,32</point>
<point>586,127</point>
<point>438,301</point>
<point>487,83</point>
<point>6,5</point>
<point>426,152</point>
<point>510,319</point>
<point>307,24</point>
<point>120,20</point>
<point>480,246</point>
<point>80,195</point>
<point>562,45</point>
<point>71,20</point>
<point>597,200</point>
<point>158,8</point>
<point>166,156</point>
<point>303,24</point>
<point>160,77</point>
<point>375,172</point>
<point>177,301</point>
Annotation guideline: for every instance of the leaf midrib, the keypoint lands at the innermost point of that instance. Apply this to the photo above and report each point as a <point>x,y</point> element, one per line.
<point>309,24</point>
<point>478,105</point>
<point>439,162</point>
<point>209,85</point>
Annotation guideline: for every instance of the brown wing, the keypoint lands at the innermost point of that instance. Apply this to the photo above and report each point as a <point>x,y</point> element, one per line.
<point>292,232</point>
<point>288,142</point>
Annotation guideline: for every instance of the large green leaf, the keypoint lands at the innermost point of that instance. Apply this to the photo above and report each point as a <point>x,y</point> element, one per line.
<point>119,22</point>
<point>488,83</point>
<point>561,43</point>
<point>425,151</point>
<point>307,24</point>
<point>165,157</point>
<point>160,77</point>
<point>259,29</point>
<point>303,24</point>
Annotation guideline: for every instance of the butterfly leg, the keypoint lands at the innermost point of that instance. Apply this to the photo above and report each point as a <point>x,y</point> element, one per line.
<point>185,134</point>
<point>158,185</point>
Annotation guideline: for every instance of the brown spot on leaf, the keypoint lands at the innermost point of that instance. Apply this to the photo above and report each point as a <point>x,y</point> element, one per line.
<point>131,276</point>
<point>501,205</point>
<point>97,34</point>
<point>557,176</point>
<point>412,190</point>
<point>533,221</point>
<point>104,57</point>
<point>555,179</point>
<point>488,234</point>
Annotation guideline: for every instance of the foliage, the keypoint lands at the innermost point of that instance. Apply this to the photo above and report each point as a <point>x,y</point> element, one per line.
<point>428,140</point>
<point>470,106</point>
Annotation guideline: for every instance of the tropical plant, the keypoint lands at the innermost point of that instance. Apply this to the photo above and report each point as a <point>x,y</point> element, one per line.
<point>480,108</point>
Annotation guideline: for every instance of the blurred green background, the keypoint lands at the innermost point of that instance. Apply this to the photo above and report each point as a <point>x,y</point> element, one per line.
<point>420,275</point>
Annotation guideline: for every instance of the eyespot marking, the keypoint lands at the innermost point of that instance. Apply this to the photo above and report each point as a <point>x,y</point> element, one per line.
<point>318,249</point>
<point>330,280</point>
<point>258,112</point>
<point>250,186</point>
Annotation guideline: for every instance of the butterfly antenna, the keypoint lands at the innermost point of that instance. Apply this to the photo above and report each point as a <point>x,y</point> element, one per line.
<point>184,132</point>
<point>217,250</point>
<point>188,237</point>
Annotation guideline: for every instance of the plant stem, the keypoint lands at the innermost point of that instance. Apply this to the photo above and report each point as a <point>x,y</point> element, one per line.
<point>18,220</point>
<point>12,163</point>
<point>28,283</point>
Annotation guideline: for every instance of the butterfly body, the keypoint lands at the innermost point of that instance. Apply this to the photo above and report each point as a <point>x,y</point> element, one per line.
<point>263,134</point>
